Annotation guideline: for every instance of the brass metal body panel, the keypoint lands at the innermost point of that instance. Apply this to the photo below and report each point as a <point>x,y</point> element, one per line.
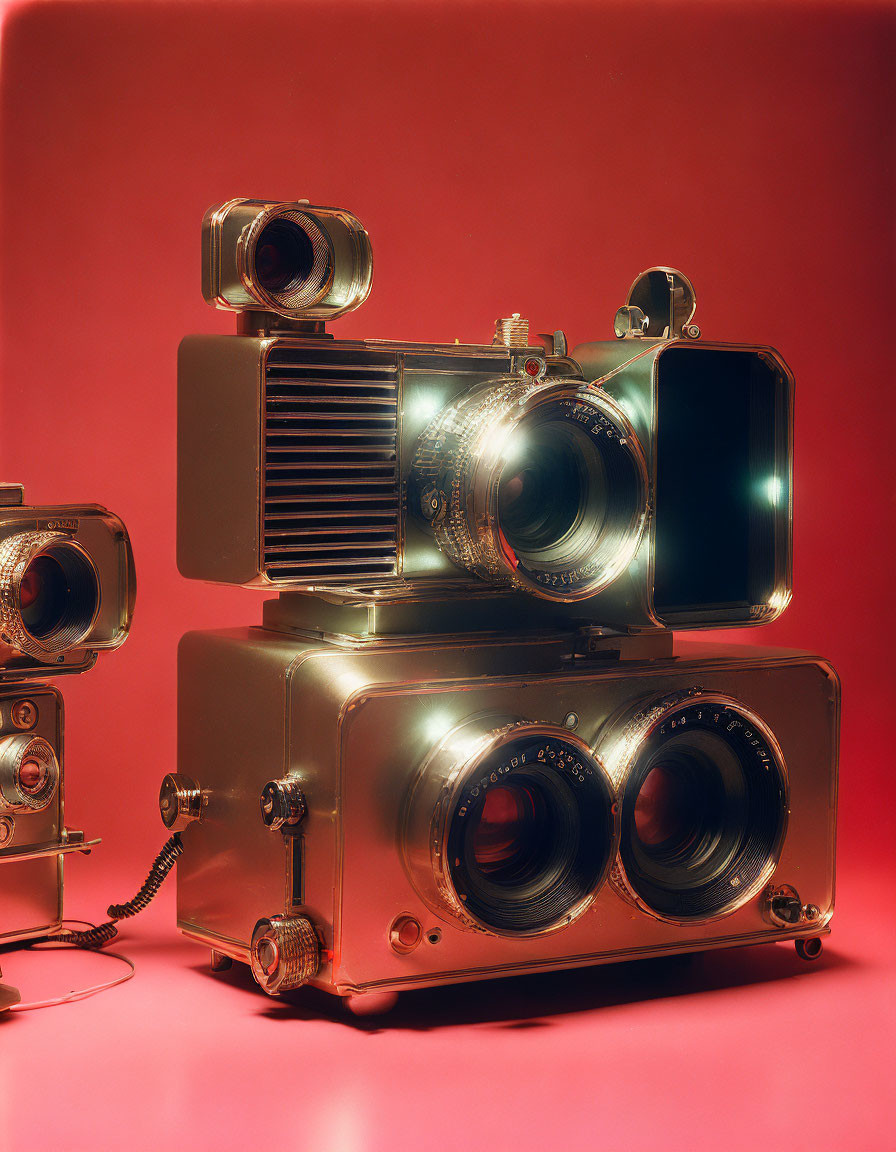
<point>31,860</point>
<point>352,723</point>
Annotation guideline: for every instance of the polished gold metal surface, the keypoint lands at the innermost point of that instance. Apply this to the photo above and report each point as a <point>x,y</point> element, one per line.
<point>355,724</point>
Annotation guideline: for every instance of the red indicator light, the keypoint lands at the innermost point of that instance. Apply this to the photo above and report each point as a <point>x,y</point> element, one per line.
<point>532,367</point>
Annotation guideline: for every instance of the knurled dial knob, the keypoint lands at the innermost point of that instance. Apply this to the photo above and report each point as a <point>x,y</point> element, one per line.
<point>285,953</point>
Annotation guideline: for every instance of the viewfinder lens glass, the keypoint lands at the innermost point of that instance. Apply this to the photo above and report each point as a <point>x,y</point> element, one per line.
<point>284,256</point>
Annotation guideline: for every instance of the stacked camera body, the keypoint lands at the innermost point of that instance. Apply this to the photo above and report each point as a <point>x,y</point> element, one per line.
<point>67,589</point>
<point>461,743</point>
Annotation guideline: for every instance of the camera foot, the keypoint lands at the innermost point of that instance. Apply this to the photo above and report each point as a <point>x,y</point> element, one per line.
<point>809,949</point>
<point>219,962</point>
<point>370,1004</point>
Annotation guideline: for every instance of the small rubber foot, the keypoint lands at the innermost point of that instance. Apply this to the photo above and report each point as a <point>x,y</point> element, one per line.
<point>809,949</point>
<point>370,1004</point>
<point>219,962</point>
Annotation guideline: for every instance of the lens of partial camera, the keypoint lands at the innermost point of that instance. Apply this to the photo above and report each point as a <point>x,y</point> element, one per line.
<point>702,813</point>
<point>530,837</point>
<point>58,596</point>
<point>284,256</point>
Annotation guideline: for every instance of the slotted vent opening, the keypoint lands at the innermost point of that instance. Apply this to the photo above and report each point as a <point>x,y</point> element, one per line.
<point>330,462</point>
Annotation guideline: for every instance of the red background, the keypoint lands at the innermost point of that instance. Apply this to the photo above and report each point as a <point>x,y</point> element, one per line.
<point>504,157</point>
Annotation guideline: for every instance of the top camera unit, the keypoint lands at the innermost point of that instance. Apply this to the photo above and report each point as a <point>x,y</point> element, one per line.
<point>636,483</point>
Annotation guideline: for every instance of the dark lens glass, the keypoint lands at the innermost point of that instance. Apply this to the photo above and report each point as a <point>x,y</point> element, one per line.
<point>43,593</point>
<point>702,810</point>
<point>284,256</point>
<point>58,597</point>
<point>545,487</point>
<point>508,838</point>
<point>666,808</point>
<point>532,842</point>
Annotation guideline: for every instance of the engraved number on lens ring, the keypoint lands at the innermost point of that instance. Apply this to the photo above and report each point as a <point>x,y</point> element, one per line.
<point>703,809</point>
<point>530,836</point>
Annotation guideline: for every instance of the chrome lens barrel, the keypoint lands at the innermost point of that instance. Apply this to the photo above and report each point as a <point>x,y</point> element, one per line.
<point>703,806</point>
<point>512,831</point>
<point>539,484</point>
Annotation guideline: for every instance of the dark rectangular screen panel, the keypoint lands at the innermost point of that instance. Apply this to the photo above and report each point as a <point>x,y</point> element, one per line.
<point>719,484</point>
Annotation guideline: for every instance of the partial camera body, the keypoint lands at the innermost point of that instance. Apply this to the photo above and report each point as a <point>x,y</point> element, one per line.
<point>67,586</point>
<point>67,590</point>
<point>374,761</point>
<point>33,836</point>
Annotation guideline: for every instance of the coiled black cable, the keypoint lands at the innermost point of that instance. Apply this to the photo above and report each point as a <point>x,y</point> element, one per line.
<point>100,936</point>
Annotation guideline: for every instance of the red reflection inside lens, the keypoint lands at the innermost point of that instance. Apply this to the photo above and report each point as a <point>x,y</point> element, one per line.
<point>32,775</point>
<point>30,585</point>
<point>505,822</point>
<point>661,809</point>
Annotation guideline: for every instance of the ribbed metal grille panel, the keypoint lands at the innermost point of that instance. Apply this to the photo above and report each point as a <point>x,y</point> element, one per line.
<point>330,463</point>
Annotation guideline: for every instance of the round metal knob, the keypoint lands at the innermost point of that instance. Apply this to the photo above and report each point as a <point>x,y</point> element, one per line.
<point>180,801</point>
<point>285,953</point>
<point>29,773</point>
<point>282,802</point>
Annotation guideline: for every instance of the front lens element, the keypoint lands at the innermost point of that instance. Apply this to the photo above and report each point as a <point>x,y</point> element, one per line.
<point>59,596</point>
<point>284,256</point>
<point>703,811</point>
<point>552,494</point>
<point>530,835</point>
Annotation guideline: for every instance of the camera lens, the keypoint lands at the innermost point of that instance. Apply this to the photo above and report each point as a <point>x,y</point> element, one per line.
<point>290,262</point>
<point>529,837</point>
<point>542,485</point>
<point>284,256</point>
<point>703,811</point>
<point>552,494</point>
<point>49,592</point>
<point>58,596</point>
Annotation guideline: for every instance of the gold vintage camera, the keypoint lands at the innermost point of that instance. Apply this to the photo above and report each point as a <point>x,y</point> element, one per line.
<point>461,744</point>
<point>67,589</point>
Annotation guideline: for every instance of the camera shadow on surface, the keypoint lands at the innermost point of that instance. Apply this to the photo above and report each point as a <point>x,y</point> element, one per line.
<point>532,1001</point>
